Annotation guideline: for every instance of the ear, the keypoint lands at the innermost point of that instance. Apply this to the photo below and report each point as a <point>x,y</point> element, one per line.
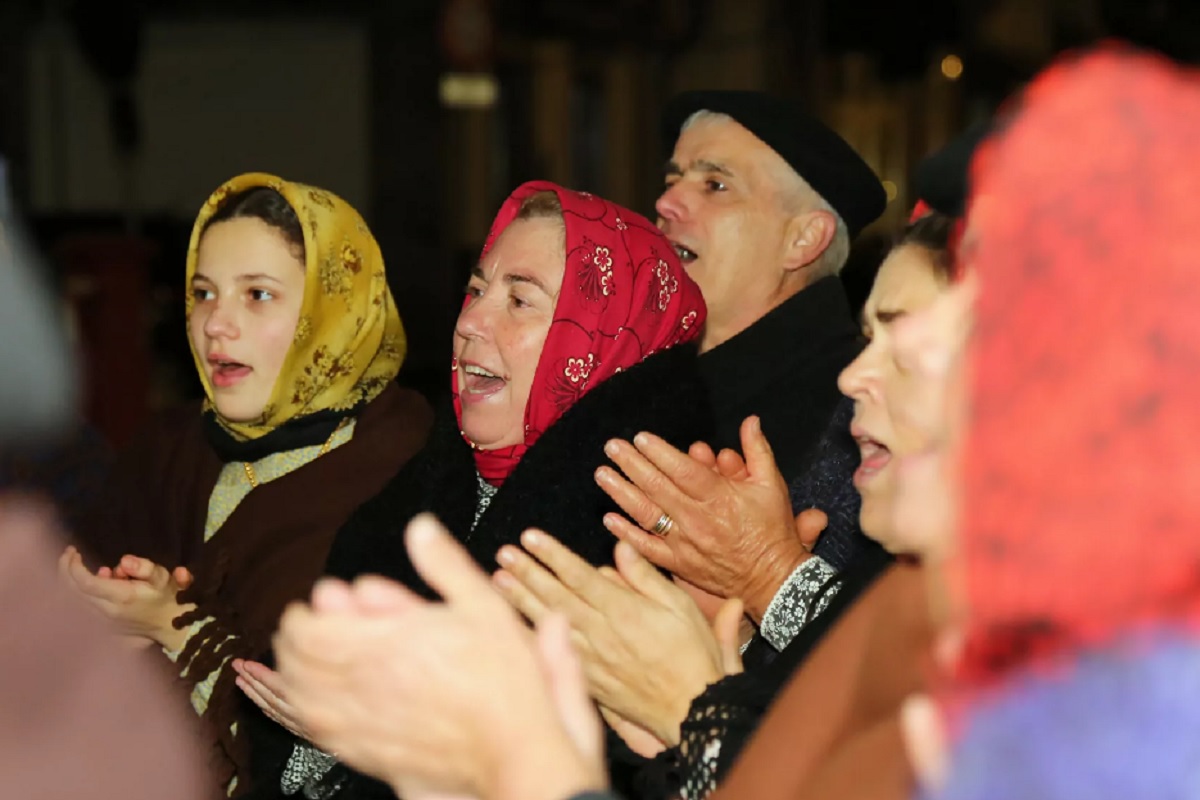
<point>808,237</point>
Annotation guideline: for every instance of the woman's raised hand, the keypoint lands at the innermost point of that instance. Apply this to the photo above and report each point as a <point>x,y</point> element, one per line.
<point>140,596</point>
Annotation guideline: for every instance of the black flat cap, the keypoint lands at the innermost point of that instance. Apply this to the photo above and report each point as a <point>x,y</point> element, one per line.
<point>820,156</point>
<point>941,179</point>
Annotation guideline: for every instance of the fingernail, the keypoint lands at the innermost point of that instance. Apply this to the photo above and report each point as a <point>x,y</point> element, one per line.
<point>506,556</point>
<point>504,580</point>
<point>531,539</point>
<point>611,447</point>
<point>610,521</point>
<point>641,440</point>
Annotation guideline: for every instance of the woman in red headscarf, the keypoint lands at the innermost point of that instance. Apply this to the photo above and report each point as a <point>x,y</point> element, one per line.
<point>567,338</point>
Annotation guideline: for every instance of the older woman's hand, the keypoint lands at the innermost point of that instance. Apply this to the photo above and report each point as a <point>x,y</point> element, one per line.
<point>731,530</point>
<point>647,650</point>
<point>139,595</point>
<point>441,698</point>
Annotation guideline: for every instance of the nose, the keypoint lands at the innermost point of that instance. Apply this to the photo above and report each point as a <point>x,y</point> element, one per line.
<point>474,318</point>
<point>221,322</point>
<point>859,379</point>
<point>672,203</point>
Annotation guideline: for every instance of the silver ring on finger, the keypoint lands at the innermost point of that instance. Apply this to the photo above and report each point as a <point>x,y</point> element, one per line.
<point>663,526</point>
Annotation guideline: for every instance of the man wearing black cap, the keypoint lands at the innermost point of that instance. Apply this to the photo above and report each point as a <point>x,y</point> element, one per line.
<point>761,203</point>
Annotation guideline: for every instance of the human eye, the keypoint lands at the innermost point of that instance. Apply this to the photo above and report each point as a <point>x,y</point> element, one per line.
<point>474,289</point>
<point>714,185</point>
<point>516,301</point>
<point>261,295</point>
<point>200,294</point>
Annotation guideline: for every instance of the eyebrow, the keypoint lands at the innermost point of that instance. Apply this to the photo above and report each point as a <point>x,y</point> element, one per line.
<point>252,277</point>
<point>514,277</point>
<point>702,165</point>
<point>885,317</point>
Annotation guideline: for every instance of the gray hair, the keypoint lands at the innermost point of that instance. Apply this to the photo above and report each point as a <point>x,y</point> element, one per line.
<point>798,196</point>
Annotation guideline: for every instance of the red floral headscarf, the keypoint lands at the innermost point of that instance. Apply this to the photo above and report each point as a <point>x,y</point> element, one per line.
<point>625,296</point>
<point>1081,517</point>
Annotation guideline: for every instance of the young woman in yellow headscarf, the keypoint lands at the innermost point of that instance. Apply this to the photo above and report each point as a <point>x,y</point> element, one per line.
<point>219,516</point>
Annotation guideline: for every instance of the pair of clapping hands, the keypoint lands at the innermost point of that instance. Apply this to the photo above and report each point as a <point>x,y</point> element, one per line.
<point>369,667</point>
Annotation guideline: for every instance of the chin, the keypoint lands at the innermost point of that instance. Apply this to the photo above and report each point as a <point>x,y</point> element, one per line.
<point>238,413</point>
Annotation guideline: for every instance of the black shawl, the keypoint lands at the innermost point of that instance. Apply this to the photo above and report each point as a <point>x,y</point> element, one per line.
<point>552,489</point>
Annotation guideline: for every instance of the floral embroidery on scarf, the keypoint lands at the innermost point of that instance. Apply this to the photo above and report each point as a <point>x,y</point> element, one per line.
<point>578,369</point>
<point>668,284</point>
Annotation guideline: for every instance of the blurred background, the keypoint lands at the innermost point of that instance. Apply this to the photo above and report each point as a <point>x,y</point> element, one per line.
<point>119,117</point>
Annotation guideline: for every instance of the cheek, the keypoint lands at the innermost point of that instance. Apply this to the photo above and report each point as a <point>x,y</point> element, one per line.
<point>274,337</point>
<point>522,350</point>
<point>196,327</point>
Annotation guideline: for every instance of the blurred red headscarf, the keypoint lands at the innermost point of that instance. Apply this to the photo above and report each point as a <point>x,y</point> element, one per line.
<point>1081,512</point>
<point>625,296</point>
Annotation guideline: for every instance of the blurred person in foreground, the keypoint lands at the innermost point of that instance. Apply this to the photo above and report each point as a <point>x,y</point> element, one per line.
<point>1074,586</point>
<point>80,717</point>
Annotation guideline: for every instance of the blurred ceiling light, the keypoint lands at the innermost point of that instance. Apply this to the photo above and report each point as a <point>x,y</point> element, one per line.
<point>468,90</point>
<point>952,67</point>
<point>891,189</point>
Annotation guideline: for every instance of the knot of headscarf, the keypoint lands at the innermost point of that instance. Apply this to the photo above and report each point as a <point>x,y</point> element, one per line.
<point>1080,520</point>
<point>349,342</point>
<point>624,297</point>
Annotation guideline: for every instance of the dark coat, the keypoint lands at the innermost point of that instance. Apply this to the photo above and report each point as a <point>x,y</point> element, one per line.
<point>785,368</point>
<point>553,489</point>
<point>267,554</point>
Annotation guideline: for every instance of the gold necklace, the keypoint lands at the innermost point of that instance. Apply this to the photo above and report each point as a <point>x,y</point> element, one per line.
<point>249,469</point>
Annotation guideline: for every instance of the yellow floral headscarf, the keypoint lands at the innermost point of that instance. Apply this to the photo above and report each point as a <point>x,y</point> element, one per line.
<point>349,341</point>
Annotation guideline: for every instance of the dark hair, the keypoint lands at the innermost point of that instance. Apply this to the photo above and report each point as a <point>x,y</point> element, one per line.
<point>542,205</point>
<point>933,233</point>
<point>265,204</point>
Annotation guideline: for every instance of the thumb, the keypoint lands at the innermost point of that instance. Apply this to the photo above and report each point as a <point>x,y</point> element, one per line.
<point>568,686</point>
<point>641,576</point>
<point>760,460</point>
<point>810,523</point>
<point>725,627</point>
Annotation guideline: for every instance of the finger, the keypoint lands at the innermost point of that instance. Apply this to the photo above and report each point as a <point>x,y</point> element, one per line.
<point>704,454</point>
<point>642,577</point>
<point>726,627</point>
<point>265,704</point>
<point>265,679</point>
<point>577,575</point>
<point>629,498</point>
<point>568,686</point>
<point>524,601</point>
<point>332,595</point>
<point>810,524</point>
<point>611,575</point>
<point>142,569</point>
<point>732,466</point>
<point>760,459</point>
<point>651,547</point>
<point>446,566</point>
<point>183,577</point>
<point>373,594</point>
<point>924,741</point>
<point>682,473</point>
<point>660,493</point>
